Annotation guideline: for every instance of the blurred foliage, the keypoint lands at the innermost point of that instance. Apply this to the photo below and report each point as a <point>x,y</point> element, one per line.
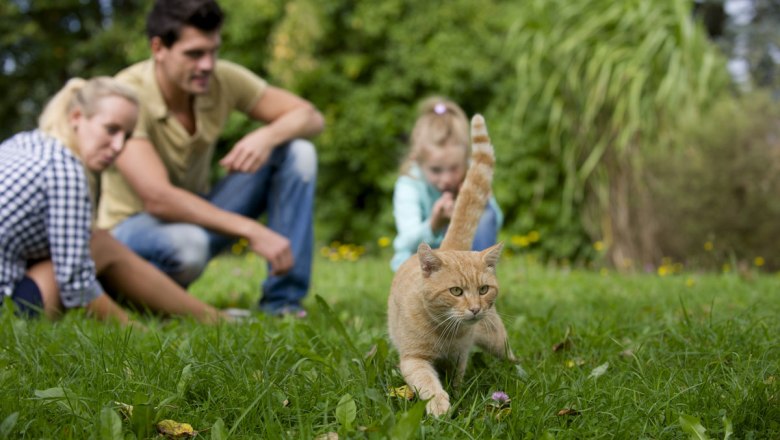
<point>576,96</point>
<point>716,198</point>
<point>598,85</point>
<point>45,42</point>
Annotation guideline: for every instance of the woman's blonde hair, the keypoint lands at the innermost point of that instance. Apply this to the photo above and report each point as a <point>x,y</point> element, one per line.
<point>440,123</point>
<point>83,95</point>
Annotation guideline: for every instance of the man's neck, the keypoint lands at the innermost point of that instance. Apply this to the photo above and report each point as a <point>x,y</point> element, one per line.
<point>178,101</point>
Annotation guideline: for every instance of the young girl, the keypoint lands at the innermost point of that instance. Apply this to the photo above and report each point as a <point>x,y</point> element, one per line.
<point>431,176</point>
<point>49,258</point>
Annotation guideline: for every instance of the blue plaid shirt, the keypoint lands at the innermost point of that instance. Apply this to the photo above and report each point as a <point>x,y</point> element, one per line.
<point>45,213</point>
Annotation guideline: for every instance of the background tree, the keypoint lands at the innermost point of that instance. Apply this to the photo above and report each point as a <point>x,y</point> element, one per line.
<point>581,99</point>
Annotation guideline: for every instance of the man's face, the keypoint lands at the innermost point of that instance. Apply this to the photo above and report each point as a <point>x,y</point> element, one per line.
<point>188,64</point>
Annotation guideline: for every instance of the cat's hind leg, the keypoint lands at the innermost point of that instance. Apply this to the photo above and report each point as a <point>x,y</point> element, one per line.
<point>491,337</point>
<point>421,376</point>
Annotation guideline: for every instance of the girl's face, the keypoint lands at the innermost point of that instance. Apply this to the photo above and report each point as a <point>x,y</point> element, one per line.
<point>445,167</point>
<point>100,138</point>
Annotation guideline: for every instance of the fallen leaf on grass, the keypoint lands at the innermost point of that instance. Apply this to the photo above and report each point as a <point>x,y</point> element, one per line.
<point>403,392</point>
<point>174,429</point>
<point>568,412</point>
<point>565,344</point>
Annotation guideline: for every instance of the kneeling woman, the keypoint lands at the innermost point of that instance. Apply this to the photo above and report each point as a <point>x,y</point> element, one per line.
<point>45,211</point>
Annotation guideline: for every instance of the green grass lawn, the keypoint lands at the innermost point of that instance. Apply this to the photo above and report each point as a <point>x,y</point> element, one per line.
<point>603,356</point>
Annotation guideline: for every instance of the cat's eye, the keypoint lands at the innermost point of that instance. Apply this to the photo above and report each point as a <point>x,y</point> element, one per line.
<point>457,291</point>
<point>483,289</point>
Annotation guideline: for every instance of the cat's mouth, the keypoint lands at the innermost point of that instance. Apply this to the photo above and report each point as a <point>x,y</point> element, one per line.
<point>471,318</point>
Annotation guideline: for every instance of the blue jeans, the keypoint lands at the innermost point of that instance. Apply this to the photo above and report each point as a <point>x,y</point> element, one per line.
<point>486,234</point>
<point>283,189</point>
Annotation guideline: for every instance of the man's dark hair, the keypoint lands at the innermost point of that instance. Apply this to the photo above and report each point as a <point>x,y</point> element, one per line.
<point>169,16</point>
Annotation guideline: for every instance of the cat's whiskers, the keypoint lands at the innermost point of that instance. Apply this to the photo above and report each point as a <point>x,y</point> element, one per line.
<point>451,325</point>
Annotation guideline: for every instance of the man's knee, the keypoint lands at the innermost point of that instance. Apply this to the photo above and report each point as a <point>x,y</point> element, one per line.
<point>304,157</point>
<point>190,256</point>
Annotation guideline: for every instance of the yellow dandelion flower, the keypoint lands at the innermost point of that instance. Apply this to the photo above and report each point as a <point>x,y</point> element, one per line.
<point>334,257</point>
<point>344,249</point>
<point>570,363</point>
<point>690,282</point>
<point>236,249</point>
<point>598,246</point>
<point>383,242</point>
<point>243,241</point>
<point>708,246</point>
<point>726,268</point>
<point>663,270</point>
<point>520,240</point>
<point>759,261</point>
<point>533,236</point>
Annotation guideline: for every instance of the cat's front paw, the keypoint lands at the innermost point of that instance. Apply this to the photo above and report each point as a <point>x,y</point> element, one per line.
<point>438,405</point>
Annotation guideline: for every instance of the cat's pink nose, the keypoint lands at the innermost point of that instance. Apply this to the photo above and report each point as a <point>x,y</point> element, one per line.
<point>474,310</point>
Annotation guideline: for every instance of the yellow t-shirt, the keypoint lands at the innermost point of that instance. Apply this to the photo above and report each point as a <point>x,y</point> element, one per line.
<point>186,157</point>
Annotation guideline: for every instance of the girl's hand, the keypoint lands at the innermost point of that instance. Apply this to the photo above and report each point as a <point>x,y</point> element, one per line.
<point>442,210</point>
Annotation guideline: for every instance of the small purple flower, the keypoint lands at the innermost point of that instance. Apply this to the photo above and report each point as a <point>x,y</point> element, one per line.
<point>500,397</point>
<point>440,109</point>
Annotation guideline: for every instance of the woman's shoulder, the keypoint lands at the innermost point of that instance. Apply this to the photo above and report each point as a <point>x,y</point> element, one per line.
<point>34,142</point>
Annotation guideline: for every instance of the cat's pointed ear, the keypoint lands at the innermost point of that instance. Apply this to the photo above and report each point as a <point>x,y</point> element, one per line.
<point>491,255</point>
<point>429,263</point>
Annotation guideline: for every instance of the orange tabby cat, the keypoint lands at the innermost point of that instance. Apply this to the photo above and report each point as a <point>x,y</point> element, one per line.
<point>442,301</point>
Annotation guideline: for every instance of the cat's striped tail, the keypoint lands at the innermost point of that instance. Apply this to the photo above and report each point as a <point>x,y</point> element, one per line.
<point>475,191</point>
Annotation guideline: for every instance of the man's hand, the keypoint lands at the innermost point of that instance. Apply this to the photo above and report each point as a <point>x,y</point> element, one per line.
<point>247,155</point>
<point>273,247</point>
<point>442,210</point>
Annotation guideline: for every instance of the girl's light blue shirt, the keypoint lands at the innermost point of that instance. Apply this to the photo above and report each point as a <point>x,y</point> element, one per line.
<point>413,200</point>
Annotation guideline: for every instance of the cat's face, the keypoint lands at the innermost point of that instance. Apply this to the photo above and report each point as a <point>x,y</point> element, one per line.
<point>459,286</point>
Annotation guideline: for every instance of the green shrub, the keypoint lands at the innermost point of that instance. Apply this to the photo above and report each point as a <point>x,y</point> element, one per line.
<point>717,198</point>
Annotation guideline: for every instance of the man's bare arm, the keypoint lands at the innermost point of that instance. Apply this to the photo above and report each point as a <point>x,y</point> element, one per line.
<point>287,117</point>
<point>142,167</point>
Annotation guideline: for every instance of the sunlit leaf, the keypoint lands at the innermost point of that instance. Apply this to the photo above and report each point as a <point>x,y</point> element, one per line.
<point>218,430</point>
<point>174,429</point>
<point>407,426</point>
<point>346,411</point>
<point>568,412</point>
<point>110,425</point>
<point>520,372</point>
<point>8,425</point>
<point>693,427</point>
<point>184,379</point>
<point>728,428</point>
<point>599,371</point>
<point>65,399</point>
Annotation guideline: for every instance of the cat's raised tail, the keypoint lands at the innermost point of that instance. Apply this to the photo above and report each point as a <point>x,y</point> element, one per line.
<point>475,191</point>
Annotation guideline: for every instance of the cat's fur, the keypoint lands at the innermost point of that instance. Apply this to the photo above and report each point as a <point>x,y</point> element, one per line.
<point>432,323</point>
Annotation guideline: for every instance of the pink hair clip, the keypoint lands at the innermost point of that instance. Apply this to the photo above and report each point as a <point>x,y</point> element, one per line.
<point>440,109</point>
